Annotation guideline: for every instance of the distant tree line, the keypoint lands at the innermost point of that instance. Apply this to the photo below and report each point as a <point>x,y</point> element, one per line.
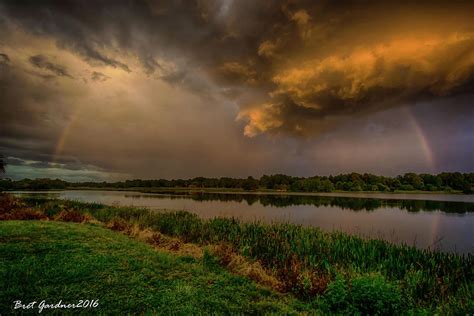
<point>446,181</point>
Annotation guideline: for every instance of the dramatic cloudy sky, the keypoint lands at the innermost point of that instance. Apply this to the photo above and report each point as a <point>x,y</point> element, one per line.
<point>107,90</point>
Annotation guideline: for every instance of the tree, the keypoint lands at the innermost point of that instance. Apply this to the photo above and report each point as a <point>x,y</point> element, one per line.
<point>2,164</point>
<point>414,180</point>
<point>250,184</point>
<point>326,186</point>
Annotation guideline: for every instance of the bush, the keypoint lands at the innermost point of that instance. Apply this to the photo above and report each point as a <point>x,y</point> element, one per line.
<point>374,295</point>
<point>12,208</point>
<point>336,295</point>
<point>366,295</point>
<point>70,216</point>
<point>118,224</point>
<point>407,187</point>
<point>431,187</point>
<point>22,214</point>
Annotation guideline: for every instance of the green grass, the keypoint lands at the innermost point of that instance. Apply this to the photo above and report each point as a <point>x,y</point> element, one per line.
<point>307,260</point>
<point>45,260</point>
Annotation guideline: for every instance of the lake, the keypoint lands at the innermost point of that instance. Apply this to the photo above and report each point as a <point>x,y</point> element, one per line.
<point>443,222</point>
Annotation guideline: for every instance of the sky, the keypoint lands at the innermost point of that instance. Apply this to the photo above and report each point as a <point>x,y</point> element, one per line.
<point>113,90</point>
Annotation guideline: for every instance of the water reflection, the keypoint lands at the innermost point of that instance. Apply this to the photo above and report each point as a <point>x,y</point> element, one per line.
<point>435,224</point>
<point>351,203</point>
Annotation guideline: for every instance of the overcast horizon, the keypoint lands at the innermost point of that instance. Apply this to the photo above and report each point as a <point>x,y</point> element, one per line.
<point>107,91</point>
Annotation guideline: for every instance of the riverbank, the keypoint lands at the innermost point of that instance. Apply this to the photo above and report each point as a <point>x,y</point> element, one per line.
<point>396,195</point>
<point>260,191</point>
<point>330,271</point>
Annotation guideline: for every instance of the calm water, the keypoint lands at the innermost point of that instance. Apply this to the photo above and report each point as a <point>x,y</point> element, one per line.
<point>436,221</point>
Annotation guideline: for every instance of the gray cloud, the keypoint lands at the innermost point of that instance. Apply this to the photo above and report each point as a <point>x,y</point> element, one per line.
<point>15,161</point>
<point>98,76</point>
<point>4,59</point>
<point>43,62</point>
<point>92,55</point>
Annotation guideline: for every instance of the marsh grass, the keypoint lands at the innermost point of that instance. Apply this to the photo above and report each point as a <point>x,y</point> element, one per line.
<point>308,261</point>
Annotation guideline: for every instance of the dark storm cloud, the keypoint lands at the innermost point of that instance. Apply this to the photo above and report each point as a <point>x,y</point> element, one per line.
<point>15,161</point>
<point>32,110</point>
<point>43,62</point>
<point>149,29</point>
<point>76,26</point>
<point>290,67</point>
<point>316,60</point>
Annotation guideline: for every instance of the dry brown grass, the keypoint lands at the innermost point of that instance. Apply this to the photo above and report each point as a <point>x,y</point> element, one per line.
<point>158,240</point>
<point>232,261</point>
<point>302,281</point>
<point>228,258</point>
<point>74,216</point>
<point>8,202</point>
<point>242,266</point>
<point>166,243</point>
<point>23,214</point>
<point>118,224</point>
<point>12,209</point>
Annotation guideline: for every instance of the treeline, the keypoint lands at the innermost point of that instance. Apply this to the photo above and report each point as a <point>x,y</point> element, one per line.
<point>446,181</point>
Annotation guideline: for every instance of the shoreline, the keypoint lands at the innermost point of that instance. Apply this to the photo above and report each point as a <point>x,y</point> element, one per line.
<point>458,196</point>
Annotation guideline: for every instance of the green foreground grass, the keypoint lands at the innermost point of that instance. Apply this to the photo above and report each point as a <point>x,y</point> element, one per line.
<point>52,261</point>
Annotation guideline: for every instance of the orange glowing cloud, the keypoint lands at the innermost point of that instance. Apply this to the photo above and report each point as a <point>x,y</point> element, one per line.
<point>366,78</point>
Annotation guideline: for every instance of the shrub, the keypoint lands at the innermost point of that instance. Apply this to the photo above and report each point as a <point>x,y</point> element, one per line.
<point>382,187</point>
<point>7,203</point>
<point>407,187</point>
<point>366,295</point>
<point>70,216</point>
<point>12,208</point>
<point>373,295</point>
<point>23,213</point>
<point>336,295</point>
<point>118,224</point>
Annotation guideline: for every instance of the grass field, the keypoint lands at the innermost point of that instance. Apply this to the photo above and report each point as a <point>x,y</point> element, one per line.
<point>42,260</point>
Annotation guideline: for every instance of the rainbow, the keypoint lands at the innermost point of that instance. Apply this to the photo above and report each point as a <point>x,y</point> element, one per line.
<point>430,160</point>
<point>422,139</point>
<point>58,149</point>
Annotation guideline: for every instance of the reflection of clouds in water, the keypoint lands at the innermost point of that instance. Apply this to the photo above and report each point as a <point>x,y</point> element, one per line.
<point>435,239</point>
<point>38,194</point>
